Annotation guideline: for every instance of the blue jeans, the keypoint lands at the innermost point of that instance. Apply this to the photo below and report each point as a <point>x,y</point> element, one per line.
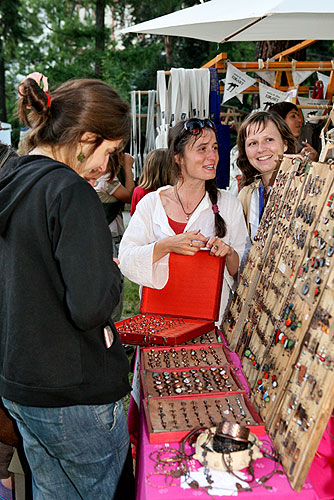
<point>74,452</point>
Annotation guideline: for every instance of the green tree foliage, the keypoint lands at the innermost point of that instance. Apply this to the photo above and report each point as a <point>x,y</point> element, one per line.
<point>11,32</point>
<point>72,38</point>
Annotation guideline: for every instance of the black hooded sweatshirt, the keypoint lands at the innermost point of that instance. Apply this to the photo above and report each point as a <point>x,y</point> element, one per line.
<point>58,288</point>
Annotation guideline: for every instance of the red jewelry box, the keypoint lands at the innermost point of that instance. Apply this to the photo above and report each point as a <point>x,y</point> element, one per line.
<point>206,410</point>
<point>185,308</point>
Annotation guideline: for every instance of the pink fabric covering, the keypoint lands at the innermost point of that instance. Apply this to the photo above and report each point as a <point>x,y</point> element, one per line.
<point>281,488</point>
<point>319,484</point>
<point>321,472</point>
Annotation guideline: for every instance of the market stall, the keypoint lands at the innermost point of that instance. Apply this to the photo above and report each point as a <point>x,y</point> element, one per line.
<point>275,379</point>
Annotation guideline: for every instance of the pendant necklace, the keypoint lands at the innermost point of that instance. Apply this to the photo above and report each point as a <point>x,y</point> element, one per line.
<point>187,214</point>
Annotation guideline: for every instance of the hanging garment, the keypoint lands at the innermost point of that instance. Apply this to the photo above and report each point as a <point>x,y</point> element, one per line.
<point>161,140</point>
<point>202,76</point>
<point>150,130</point>
<point>135,138</point>
<point>175,96</point>
<point>223,132</point>
<point>184,81</point>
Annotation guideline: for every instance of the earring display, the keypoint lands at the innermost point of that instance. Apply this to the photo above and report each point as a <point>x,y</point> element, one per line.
<point>177,415</point>
<point>281,318</point>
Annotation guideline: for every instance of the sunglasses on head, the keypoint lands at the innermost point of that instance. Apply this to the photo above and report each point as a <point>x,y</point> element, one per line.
<point>194,126</point>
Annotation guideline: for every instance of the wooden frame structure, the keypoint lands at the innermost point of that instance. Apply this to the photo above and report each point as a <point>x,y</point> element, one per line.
<point>280,64</point>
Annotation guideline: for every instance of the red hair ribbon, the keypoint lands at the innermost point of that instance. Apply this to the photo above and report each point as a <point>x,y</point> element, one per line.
<point>215,209</point>
<point>48,98</point>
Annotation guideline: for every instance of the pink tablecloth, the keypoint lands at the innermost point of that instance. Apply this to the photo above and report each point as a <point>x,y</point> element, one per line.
<point>280,486</point>
<point>319,484</point>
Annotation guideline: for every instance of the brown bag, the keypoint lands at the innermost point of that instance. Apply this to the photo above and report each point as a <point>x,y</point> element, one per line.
<point>8,431</point>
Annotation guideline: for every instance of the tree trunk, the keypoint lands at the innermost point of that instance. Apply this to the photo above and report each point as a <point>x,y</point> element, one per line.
<point>100,36</point>
<point>168,50</point>
<point>3,113</point>
<point>269,48</point>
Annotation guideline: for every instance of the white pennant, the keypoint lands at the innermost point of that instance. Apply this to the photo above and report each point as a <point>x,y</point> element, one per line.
<point>307,101</point>
<point>267,76</point>
<point>236,81</point>
<point>269,96</point>
<point>299,76</point>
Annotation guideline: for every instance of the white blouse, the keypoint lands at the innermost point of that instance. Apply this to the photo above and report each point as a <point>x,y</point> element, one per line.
<point>149,224</point>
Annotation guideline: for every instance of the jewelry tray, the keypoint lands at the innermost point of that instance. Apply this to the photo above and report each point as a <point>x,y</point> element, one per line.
<point>185,308</point>
<point>179,415</point>
<point>185,356</point>
<point>189,382</point>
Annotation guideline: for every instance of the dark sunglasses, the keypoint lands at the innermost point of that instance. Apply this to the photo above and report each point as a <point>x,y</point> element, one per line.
<point>194,126</point>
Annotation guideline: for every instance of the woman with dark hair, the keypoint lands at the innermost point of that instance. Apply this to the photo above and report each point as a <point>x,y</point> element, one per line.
<point>263,138</point>
<point>63,367</point>
<point>187,217</point>
<point>290,114</point>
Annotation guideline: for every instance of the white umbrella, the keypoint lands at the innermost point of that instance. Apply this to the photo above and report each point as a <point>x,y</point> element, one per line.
<point>246,20</point>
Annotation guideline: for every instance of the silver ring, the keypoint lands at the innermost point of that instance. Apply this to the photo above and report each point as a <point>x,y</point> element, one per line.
<point>215,247</point>
<point>191,243</point>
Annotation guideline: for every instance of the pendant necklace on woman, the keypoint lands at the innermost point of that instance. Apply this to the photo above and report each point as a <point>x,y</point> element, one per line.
<point>187,214</point>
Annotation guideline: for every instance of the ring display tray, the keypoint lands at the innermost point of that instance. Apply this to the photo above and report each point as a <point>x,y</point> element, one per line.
<point>187,307</point>
<point>189,382</point>
<point>171,419</point>
<point>185,356</point>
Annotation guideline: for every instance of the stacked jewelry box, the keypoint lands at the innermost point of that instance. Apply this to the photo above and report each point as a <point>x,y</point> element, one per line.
<point>189,386</point>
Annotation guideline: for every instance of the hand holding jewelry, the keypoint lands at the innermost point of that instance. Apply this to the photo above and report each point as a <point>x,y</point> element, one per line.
<point>220,249</point>
<point>188,243</point>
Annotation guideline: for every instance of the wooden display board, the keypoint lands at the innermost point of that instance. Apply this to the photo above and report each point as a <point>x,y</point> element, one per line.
<point>281,321</point>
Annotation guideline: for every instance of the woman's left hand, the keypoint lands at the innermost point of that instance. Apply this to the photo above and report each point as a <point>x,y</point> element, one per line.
<point>219,248</point>
<point>309,151</point>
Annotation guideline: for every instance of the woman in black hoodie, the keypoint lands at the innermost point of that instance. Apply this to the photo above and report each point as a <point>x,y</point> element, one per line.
<point>63,369</point>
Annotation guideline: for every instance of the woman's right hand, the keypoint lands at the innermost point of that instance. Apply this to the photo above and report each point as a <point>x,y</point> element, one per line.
<point>188,243</point>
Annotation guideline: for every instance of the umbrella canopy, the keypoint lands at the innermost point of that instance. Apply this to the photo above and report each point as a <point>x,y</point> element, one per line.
<point>247,20</point>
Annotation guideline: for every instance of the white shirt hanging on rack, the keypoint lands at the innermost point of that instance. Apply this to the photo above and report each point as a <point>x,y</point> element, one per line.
<point>161,140</point>
<point>136,134</point>
<point>150,130</point>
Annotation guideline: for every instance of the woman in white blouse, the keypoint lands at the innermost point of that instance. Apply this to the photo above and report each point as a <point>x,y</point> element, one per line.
<point>185,218</point>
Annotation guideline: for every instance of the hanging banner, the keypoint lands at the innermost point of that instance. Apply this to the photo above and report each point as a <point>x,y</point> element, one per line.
<point>300,76</point>
<point>267,76</point>
<point>309,113</point>
<point>325,81</point>
<point>291,95</point>
<point>269,96</point>
<point>236,81</point>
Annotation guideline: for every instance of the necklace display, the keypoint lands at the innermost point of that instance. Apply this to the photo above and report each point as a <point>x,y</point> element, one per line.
<point>187,214</point>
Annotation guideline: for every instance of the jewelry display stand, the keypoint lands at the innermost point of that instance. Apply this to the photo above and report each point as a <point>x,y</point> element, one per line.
<point>281,321</point>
